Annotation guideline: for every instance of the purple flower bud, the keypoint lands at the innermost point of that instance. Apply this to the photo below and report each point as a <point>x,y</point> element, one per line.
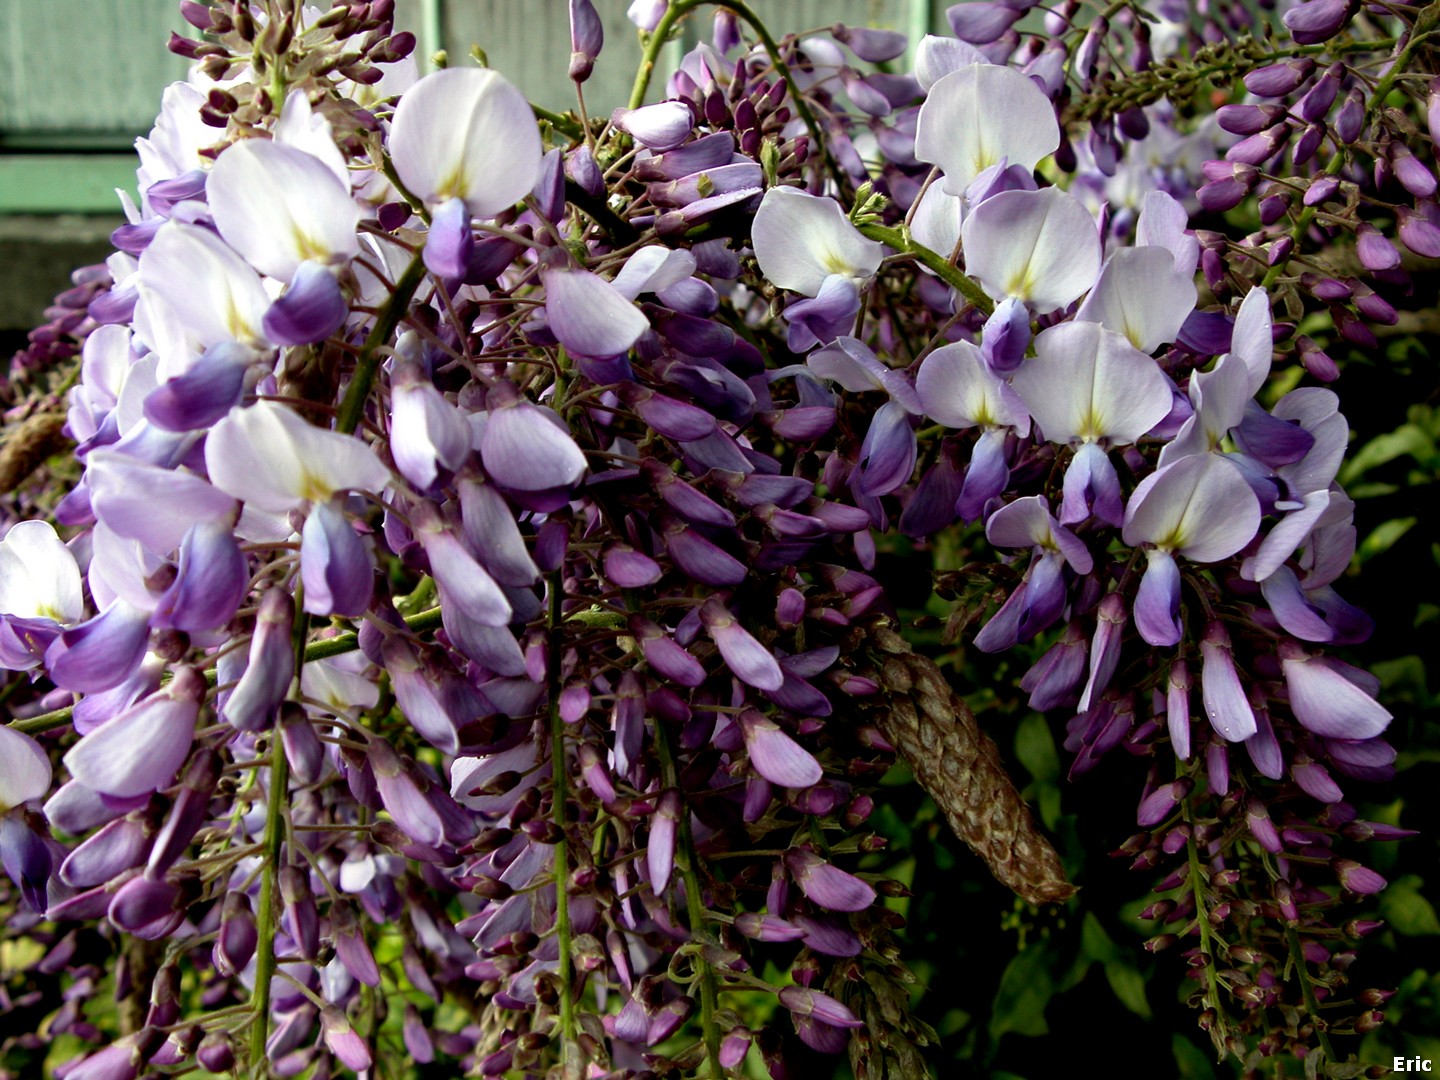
<point>1305,146</point>
<point>1316,361</point>
<point>312,307</point>
<point>1249,119</point>
<point>141,749</point>
<point>664,655</point>
<point>751,662</point>
<point>1325,700</point>
<point>117,847</point>
<point>1315,21</point>
<point>417,1037</point>
<point>235,944</point>
<point>1257,817</point>
<point>403,797</point>
<point>335,565</point>
<point>1260,147</point>
<point>302,919</point>
<point>1351,118</point>
<point>702,560</point>
<point>876,46</point>
<point>1320,190</point>
<point>1374,250</point>
<point>725,31</point>
<point>1317,100</point>
<point>1315,780</point>
<point>775,755</point>
<point>818,1006</point>
<point>189,811</point>
<point>587,36</point>
<point>734,1047</point>
<point>1279,80</point>
<point>118,1062</point>
<point>825,885</point>
<point>660,850</point>
<point>271,666</point>
<point>1412,173</point>
<point>1088,52</point>
<point>1160,803</point>
<point>528,450</point>
<point>343,1041</point>
<point>148,909</point>
<point>1419,231</point>
<point>1226,704</point>
<point>350,945</point>
<point>1111,617</point>
<point>627,568</point>
<point>660,127</point>
<point>1356,878</point>
<point>767,928</point>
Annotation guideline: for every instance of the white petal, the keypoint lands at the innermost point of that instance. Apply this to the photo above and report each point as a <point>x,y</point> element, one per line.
<point>279,206</point>
<point>269,456</point>
<point>936,221</point>
<point>1141,295</point>
<point>24,769</point>
<point>1162,223</point>
<point>652,269</point>
<point>303,128</point>
<point>979,114</point>
<point>1252,341</point>
<point>1200,506</point>
<point>1086,382</point>
<point>38,575</point>
<point>155,506</point>
<point>936,57</point>
<point>466,132</point>
<point>958,390</point>
<point>801,239</point>
<point>210,288</point>
<point>1038,246</point>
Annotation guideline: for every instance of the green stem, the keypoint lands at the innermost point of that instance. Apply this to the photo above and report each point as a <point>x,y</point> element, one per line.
<point>352,407</point>
<point>566,125</point>
<point>559,792</point>
<point>265,921</point>
<point>1202,924</point>
<point>689,869</point>
<point>901,240</point>
<point>1312,1005</point>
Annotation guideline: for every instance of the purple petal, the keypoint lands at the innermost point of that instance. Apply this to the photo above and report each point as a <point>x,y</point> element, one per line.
<point>827,886</point>
<point>1325,701</point>
<point>335,564</point>
<point>204,394</point>
<point>311,309</point>
<point>1157,603</point>
<point>1225,700</point>
<point>102,652</point>
<point>212,580</point>
<point>775,755</point>
<point>141,749</point>
<point>750,661</point>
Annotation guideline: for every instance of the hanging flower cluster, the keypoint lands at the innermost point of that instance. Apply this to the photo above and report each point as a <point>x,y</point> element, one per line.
<point>470,580</point>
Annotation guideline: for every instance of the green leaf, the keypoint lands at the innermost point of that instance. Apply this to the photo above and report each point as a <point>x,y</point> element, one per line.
<point>1406,440</point>
<point>1095,942</point>
<point>1408,912</point>
<point>1025,989</point>
<point>1129,987</point>
<point>1035,747</point>
<point>1384,537</point>
<point>1191,1063</point>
